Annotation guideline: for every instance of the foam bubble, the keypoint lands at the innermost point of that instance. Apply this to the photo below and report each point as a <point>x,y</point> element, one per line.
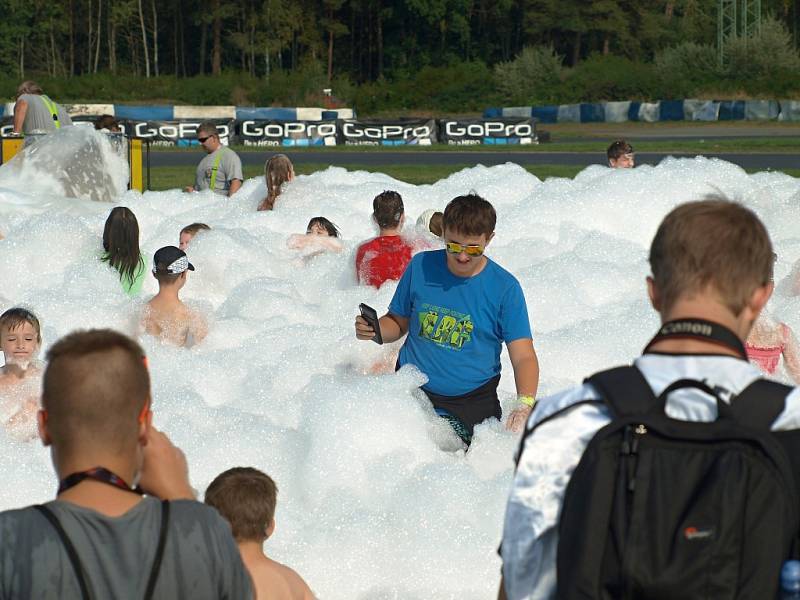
<point>376,500</point>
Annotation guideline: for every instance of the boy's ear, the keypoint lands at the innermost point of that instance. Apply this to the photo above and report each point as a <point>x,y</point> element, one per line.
<point>41,422</point>
<point>652,293</point>
<point>490,238</point>
<point>270,529</point>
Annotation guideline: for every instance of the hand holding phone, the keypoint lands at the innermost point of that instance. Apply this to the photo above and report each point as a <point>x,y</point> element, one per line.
<point>371,317</point>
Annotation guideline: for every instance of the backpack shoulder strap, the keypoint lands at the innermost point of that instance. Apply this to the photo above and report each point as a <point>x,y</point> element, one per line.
<point>760,403</point>
<point>624,390</point>
<point>162,540</point>
<point>71,552</point>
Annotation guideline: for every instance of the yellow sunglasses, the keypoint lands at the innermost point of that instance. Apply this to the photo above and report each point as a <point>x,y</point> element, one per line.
<point>472,250</point>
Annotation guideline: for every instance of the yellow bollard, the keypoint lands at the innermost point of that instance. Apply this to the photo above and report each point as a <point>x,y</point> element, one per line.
<point>135,163</point>
<point>9,148</point>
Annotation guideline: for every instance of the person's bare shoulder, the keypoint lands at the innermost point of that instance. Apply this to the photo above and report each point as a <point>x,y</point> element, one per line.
<point>275,581</point>
<point>298,587</point>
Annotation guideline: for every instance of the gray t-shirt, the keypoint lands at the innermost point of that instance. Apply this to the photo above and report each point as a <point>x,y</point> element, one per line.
<point>230,168</point>
<point>38,117</point>
<point>201,560</point>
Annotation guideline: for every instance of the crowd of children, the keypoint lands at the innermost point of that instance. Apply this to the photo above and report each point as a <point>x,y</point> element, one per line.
<point>454,308</point>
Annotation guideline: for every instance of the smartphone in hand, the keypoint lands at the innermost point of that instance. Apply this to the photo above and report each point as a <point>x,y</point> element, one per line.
<point>370,316</point>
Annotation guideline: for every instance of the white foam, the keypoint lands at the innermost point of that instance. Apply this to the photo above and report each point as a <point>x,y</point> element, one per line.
<point>371,504</point>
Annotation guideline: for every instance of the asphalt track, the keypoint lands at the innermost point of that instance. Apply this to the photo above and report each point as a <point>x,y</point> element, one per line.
<point>777,162</point>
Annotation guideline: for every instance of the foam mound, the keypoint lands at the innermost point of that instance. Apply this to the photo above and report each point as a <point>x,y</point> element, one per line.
<point>374,501</point>
<point>73,162</point>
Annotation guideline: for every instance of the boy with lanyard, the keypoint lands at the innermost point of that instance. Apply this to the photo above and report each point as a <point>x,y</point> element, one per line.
<point>708,291</point>
<point>100,537</point>
<point>458,307</point>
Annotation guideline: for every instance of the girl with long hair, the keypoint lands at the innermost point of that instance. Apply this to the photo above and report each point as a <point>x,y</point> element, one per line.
<point>121,245</point>
<point>277,171</point>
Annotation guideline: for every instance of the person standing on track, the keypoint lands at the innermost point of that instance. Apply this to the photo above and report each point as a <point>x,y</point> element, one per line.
<point>221,170</point>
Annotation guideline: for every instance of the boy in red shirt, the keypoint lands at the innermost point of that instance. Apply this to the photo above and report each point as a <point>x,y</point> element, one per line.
<point>386,256</point>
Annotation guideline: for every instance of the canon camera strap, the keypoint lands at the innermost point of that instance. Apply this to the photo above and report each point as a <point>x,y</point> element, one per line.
<point>100,474</point>
<point>699,329</point>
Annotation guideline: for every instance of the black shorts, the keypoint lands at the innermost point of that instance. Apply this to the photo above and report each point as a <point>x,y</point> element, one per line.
<point>473,407</point>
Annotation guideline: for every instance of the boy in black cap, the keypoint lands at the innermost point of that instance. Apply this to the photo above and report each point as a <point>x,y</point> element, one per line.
<point>166,316</point>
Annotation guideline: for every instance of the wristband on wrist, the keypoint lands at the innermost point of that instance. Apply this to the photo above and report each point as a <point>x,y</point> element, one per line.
<point>527,400</point>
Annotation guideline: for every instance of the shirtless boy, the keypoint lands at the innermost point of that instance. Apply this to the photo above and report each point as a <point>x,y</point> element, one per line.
<point>166,316</point>
<point>246,498</point>
<point>20,338</point>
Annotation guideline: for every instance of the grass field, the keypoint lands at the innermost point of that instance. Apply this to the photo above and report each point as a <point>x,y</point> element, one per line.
<point>164,178</point>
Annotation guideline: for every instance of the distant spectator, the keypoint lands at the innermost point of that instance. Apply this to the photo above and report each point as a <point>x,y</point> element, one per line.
<point>278,170</point>
<point>321,235</point>
<point>768,341</point>
<point>34,112</point>
<point>221,170</point>
<point>620,155</point>
<point>20,339</point>
<point>386,256</point>
<point>107,123</point>
<point>121,245</point>
<point>166,316</point>
<point>188,233</point>
<point>100,537</point>
<point>246,498</point>
<point>432,220</point>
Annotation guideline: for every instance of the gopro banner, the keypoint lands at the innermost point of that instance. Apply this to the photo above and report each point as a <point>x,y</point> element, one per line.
<point>253,132</point>
<point>387,133</point>
<point>502,130</point>
<point>175,133</point>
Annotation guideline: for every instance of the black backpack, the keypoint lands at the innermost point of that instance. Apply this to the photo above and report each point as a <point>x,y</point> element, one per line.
<point>659,508</point>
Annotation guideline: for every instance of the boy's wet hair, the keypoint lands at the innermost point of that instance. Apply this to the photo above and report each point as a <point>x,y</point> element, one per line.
<point>469,215</point>
<point>388,209</point>
<point>617,149</point>
<point>167,278</point>
<point>436,225</point>
<point>14,317</point>
<point>713,242</point>
<point>94,389</point>
<point>326,224</point>
<point>246,498</point>
<point>194,228</point>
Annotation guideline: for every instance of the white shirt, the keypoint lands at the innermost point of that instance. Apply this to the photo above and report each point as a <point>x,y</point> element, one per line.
<point>551,453</point>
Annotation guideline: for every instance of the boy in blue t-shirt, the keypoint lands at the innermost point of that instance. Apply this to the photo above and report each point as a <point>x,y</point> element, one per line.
<point>458,307</point>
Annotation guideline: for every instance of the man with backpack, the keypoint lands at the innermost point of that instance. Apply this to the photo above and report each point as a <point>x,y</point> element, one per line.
<point>124,523</point>
<point>671,478</point>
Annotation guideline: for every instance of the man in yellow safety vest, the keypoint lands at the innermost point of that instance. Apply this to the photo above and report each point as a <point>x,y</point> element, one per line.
<point>34,112</point>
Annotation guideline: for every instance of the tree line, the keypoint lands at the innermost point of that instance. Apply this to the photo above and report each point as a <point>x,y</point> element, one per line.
<point>363,40</point>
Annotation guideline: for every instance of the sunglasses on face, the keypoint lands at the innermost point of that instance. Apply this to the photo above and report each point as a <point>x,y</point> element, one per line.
<point>471,250</point>
<point>202,140</point>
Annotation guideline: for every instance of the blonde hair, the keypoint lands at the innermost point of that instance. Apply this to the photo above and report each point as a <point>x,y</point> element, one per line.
<point>277,171</point>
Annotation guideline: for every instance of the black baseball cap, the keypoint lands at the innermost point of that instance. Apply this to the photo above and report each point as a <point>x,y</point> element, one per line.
<point>170,260</point>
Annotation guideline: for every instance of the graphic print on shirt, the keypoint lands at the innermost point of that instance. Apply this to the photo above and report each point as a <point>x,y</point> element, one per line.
<point>445,327</point>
